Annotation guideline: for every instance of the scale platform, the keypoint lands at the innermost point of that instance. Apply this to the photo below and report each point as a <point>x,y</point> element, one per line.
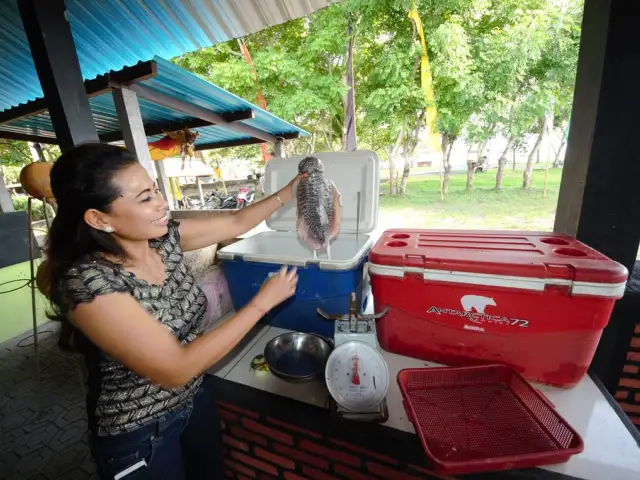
<point>379,413</point>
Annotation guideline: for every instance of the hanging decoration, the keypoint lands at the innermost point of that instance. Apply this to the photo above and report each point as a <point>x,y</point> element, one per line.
<point>179,142</point>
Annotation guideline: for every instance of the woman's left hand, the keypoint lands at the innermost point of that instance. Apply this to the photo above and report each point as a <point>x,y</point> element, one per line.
<point>289,188</point>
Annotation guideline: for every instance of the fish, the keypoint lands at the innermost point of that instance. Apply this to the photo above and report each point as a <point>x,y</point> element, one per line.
<point>318,206</point>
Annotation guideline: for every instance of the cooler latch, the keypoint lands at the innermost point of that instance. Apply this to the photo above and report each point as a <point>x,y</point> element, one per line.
<point>560,275</point>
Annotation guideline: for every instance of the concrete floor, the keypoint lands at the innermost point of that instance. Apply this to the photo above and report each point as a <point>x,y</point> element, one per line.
<point>43,426</point>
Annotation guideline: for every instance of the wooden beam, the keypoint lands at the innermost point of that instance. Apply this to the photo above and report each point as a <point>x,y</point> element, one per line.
<point>97,86</point>
<point>199,112</point>
<point>28,138</point>
<point>160,128</point>
<point>243,142</point>
<point>54,55</point>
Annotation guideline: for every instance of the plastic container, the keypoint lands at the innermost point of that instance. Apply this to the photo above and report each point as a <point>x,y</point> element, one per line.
<point>536,301</point>
<point>487,418</point>
<point>324,283</point>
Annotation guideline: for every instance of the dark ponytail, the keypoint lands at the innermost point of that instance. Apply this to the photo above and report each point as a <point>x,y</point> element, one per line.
<point>81,179</point>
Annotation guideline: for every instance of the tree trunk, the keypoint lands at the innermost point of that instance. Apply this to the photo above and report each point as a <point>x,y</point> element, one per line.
<point>514,159</point>
<point>447,146</point>
<point>471,166</point>
<point>405,174</point>
<point>528,170</point>
<point>6,205</point>
<point>393,173</point>
<point>502,161</point>
<point>556,161</point>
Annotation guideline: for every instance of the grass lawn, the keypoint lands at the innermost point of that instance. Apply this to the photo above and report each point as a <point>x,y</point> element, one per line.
<point>511,208</point>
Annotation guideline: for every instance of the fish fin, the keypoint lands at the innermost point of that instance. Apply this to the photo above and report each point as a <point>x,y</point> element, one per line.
<point>334,227</point>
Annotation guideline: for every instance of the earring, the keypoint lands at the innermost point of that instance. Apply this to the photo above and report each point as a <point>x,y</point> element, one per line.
<point>108,229</point>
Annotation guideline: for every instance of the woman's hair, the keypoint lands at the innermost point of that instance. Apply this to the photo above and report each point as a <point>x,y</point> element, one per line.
<point>81,179</point>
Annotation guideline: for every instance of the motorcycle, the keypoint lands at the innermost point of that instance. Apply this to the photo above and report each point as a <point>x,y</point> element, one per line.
<point>244,197</point>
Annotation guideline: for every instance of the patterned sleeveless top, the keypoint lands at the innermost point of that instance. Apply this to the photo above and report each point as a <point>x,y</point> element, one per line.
<point>118,399</point>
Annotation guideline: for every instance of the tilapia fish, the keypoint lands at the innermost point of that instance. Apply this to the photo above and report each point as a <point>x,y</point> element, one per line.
<point>319,206</point>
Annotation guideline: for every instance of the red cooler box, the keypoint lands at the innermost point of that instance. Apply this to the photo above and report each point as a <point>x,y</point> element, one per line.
<point>536,301</point>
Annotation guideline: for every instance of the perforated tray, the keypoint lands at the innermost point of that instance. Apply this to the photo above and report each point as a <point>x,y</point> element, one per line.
<point>484,418</point>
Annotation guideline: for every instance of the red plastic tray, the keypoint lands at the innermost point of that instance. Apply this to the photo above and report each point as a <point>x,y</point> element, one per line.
<point>484,418</point>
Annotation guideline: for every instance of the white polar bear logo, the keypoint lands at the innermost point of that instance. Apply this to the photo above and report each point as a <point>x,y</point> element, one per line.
<point>476,302</point>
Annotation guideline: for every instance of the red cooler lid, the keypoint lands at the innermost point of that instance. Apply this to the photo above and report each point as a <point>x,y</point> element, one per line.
<point>514,259</point>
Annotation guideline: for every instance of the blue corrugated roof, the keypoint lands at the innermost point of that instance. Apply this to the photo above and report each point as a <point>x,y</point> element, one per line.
<point>111,34</point>
<point>178,84</point>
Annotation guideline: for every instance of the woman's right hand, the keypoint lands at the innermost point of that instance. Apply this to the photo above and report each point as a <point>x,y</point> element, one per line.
<point>277,289</point>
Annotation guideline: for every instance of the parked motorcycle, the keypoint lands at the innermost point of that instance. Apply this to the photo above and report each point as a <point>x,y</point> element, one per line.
<point>244,197</point>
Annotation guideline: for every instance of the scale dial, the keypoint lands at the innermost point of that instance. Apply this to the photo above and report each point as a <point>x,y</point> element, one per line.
<point>357,376</point>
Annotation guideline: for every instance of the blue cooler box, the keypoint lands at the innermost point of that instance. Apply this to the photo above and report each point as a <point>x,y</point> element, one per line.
<point>325,283</point>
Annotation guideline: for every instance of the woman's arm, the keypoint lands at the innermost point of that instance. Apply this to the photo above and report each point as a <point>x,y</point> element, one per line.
<point>118,325</point>
<point>202,232</point>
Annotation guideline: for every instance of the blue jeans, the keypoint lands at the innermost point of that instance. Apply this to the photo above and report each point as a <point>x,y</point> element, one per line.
<point>185,444</point>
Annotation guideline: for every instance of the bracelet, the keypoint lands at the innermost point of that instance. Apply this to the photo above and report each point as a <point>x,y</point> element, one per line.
<point>278,197</point>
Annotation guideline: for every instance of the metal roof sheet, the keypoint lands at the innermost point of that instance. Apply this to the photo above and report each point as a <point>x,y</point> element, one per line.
<point>111,34</point>
<point>179,84</point>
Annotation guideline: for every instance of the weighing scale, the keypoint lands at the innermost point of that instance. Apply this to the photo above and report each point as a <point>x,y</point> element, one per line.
<point>357,375</point>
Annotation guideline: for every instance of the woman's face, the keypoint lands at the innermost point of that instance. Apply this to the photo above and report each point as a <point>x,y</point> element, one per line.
<point>140,213</point>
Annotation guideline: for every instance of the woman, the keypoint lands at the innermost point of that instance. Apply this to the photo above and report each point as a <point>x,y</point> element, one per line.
<point>128,302</point>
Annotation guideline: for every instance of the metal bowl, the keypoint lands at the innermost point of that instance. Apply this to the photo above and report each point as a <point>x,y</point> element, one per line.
<point>296,356</point>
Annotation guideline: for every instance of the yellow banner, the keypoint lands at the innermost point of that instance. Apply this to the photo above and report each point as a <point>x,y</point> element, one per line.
<point>426,82</point>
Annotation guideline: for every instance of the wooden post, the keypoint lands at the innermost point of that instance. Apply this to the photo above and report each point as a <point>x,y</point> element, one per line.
<point>599,195</point>
<point>200,192</point>
<point>278,149</point>
<point>6,205</point>
<point>54,55</point>
<point>135,139</point>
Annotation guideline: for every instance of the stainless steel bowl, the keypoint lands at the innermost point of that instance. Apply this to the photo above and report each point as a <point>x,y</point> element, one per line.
<point>296,356</point>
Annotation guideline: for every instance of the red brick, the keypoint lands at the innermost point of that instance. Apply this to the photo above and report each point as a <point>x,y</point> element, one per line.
<point>293,428</point>
<point>255,463</point>
<point>273,458</point>
<point>232,442</point>
<point>622,395</point>
<point>293,476</point>
<point>370,453</point>
<point>637,330</point>
<point>330,453</point>
<point>251,437</point>
<point>630,382</point>
<point>638,397</point>
<point>269,432</point>
<point>228,416</point>
<point>389,473</point>
<point>633,356</point>
<point>264,476</point>
<point>240,410</point>
<point>239,468</point>
<point>627,407</point>
<point>301,456</point>
<point>350,473</point>
<point>635,342</point>
<point>631,369</point>
<point>317,474</point>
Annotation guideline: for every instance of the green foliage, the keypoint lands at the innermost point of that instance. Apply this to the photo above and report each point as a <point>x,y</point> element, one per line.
<point>497,65</point>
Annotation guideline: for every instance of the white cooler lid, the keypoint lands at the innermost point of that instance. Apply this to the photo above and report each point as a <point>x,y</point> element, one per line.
<point>352,172</point>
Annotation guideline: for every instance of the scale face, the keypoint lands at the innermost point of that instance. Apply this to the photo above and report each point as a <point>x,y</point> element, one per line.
<point>357,376</point>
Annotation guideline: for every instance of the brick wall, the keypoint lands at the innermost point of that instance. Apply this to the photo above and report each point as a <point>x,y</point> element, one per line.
<point>628,394</point>
<point>258,446</point>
